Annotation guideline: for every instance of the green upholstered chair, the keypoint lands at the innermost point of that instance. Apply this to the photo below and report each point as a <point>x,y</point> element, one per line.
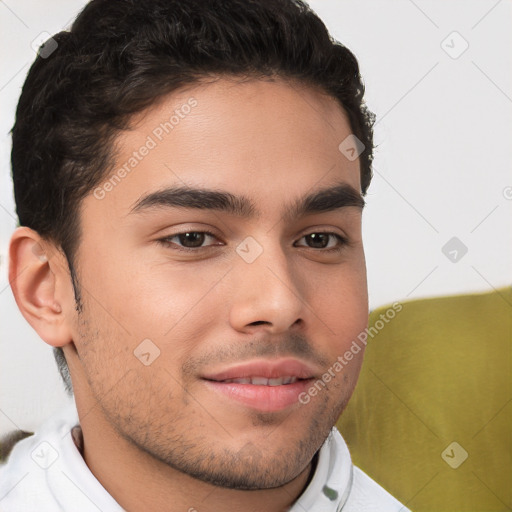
<point>431,416</point>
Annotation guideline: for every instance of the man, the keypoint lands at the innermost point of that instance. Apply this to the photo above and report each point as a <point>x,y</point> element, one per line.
<point>189,178</point>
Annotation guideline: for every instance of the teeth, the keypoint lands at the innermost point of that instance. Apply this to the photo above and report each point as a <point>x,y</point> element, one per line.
<point>263,381</point>
<point>259,381</point>
<point>240,381</point>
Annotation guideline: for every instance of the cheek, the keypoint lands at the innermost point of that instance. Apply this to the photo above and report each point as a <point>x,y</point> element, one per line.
<point>343,304</point>
<point>344,309</point>
<point>151,299</point>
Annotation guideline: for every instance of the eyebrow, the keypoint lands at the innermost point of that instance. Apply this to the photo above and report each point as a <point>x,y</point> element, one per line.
<point>323,200</point>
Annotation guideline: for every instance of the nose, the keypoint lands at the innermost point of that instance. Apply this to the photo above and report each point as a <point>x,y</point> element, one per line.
<point>269,293</point>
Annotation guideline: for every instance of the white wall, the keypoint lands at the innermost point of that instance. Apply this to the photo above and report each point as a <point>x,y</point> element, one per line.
<point>442,168</point>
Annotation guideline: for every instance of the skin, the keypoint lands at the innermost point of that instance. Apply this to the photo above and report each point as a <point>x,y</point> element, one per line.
<point>156,434</point>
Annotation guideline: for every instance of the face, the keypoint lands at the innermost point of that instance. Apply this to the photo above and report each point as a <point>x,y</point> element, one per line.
<point>214,295</point>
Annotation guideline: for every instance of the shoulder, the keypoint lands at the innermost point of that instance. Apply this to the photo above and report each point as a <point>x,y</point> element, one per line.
<point>28,458</point>
<point>47,473</point>
<point>368,496</point>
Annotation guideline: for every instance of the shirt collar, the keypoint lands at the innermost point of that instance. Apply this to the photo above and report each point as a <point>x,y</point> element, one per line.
<point>330,486</point>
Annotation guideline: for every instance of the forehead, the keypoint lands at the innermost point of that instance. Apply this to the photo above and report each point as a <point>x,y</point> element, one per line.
<point>262,139</point>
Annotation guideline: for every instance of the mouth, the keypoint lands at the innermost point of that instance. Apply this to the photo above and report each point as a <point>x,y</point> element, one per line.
<point>267,386</point>
<point>263,381</point>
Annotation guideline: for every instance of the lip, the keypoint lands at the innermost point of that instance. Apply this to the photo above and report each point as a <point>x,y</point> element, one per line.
<point>263,398</point>
<point>270,369</point>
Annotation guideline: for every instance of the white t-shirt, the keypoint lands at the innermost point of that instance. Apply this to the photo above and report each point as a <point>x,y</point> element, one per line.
<point>46,473</point>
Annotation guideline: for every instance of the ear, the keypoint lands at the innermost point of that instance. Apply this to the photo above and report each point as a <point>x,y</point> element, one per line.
<point>40,281</point>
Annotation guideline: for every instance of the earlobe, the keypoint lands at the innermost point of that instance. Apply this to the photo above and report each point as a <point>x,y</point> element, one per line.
<point>34,272</point>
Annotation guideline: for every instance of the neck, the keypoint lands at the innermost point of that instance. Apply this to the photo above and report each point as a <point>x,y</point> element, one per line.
<point>139,481</point>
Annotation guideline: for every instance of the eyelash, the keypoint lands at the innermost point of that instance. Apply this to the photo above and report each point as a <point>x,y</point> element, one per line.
<point>166,241</point>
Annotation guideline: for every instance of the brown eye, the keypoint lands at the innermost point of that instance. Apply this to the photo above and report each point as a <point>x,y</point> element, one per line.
<point>188,241</point>
<point>321,240</point>
<point>192,239</point>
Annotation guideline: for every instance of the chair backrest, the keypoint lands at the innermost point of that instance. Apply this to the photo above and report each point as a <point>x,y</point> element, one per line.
<point>8,441</point>
<point>431,416</point>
